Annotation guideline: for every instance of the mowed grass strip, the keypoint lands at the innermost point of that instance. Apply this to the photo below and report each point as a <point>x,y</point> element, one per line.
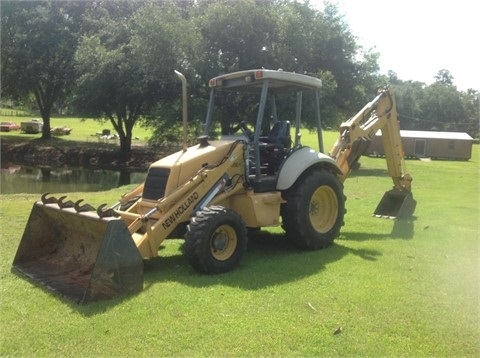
<point>385,288</point>
<point>83,130</point>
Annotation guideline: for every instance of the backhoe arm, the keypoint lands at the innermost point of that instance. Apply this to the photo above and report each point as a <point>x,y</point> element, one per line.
<point>355,137</point>
<point>357,133</point>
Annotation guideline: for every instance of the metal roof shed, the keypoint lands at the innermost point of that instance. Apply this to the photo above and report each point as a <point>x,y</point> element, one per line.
<point>429,144</point>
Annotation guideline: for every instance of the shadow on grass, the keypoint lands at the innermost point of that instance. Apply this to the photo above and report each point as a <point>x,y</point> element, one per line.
<point>402,229</point>
<point>271,260</point>
<point>368,172</point>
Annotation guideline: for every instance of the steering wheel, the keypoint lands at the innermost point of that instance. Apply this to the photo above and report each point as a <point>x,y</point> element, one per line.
<point>247,131</point>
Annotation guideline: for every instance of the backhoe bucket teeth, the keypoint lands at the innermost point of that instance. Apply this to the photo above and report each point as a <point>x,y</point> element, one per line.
<point>79,255</point>
<point>396,204</point>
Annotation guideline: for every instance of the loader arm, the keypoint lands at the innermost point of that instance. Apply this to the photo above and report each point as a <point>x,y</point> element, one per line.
<point>151,229</point>
<point>355,137</point>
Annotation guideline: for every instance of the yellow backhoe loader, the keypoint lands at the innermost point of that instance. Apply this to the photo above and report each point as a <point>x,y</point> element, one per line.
<point>213,192</point>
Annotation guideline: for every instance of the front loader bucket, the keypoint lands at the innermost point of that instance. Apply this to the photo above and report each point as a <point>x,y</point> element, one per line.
<point>396,204</point>
<point>79,255</point>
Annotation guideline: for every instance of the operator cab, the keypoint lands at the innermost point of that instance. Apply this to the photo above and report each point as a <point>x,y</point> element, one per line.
<point>260,107</point>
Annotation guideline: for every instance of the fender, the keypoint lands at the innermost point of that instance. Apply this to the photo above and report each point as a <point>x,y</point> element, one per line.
<point>298,162</point>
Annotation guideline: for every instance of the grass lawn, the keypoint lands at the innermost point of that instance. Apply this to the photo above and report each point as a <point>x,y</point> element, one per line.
<point>387,288</point>
<point>82,130</point>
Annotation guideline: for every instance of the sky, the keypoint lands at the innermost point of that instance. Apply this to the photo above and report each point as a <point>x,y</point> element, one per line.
<point>418,38</point>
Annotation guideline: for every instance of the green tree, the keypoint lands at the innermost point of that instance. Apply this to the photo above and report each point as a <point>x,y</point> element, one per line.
<point>39,39</point>
<point>471,104</point>
<point>442,108</point>
<point>295,41</point>
<point>126,65</point>
<point>353,68</point>
<point>236,35</point>
<point>293,36</point>
<point>439,106</point>
<point>409,96</point>
<point>324,46</point>
<point>444,77</point>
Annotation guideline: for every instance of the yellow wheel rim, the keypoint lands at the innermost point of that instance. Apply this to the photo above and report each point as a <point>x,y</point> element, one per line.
<point>323,210</point>
<point>223,242</point>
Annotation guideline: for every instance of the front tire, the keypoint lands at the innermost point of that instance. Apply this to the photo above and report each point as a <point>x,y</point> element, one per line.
<point>313,214</point>
<point>216,240</point>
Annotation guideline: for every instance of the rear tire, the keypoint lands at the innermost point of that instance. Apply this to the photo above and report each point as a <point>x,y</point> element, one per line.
<point>314,211</point>
<point>216,240</point>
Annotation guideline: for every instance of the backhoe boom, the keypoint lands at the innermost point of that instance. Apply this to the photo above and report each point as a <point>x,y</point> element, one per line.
<point>355,137</point>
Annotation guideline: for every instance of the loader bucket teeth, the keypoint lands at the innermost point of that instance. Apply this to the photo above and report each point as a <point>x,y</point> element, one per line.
<point>396,204</point>
<point>50,200</point>
<point>78,255</point>
<point>67,204</point>
<point>82,208</point>
<point>105,213</point>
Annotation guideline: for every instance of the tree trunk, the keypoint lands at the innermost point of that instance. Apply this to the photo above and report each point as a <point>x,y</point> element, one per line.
<point>123,125</point>
<point>126,144</point>
<point>46,134</point>
<point>45,106</point>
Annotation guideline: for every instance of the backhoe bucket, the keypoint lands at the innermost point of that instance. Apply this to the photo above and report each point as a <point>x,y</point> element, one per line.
<point>78,254</point>
<point>396,204</point>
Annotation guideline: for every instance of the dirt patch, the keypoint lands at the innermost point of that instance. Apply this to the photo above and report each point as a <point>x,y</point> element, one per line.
<point>56,153</point>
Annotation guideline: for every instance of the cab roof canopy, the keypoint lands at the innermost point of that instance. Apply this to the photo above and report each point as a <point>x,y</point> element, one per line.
<point>252,81</point>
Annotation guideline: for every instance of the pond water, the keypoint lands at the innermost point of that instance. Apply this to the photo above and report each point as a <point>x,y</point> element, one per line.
<point>15,179</point>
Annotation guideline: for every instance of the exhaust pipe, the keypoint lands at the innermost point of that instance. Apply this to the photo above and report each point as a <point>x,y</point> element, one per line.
<point>184,111</point>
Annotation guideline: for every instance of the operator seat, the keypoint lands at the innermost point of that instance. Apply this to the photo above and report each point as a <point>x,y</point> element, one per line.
<point>279,134</point>
<point>274,147</point>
